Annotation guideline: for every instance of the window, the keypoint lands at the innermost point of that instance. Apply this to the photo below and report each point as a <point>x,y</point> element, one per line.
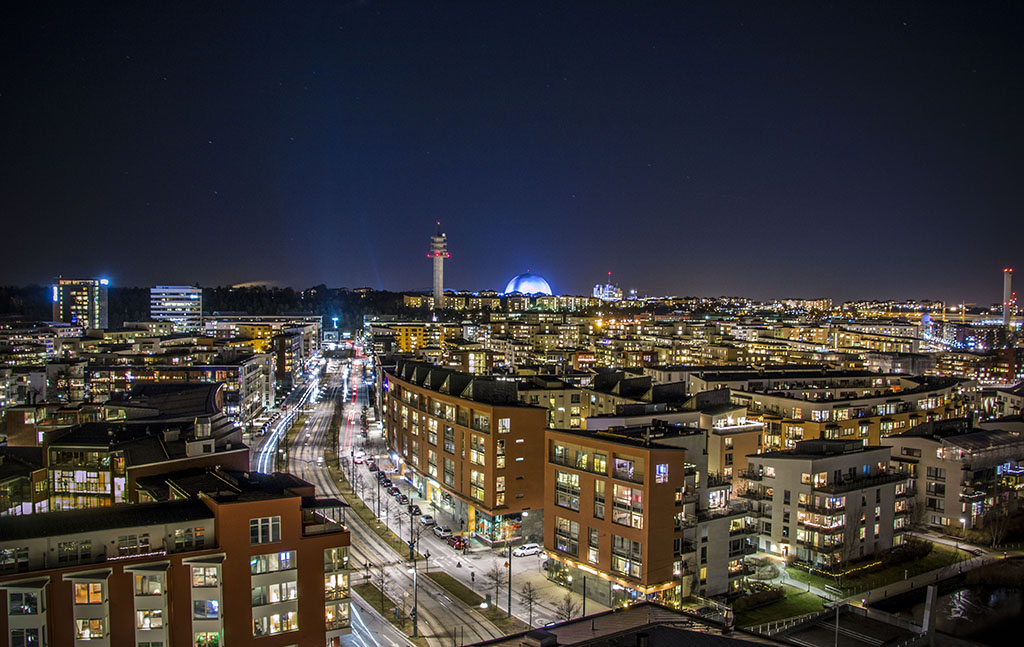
<point>600,463</point>
<point>149,619</point>
<point>432,462</point>
<point>132,545</point>
<point>499,454</point>
<point>25,637</point>
<point>13,559</point>
<point>23,604</point>
<point>476,485</point>
<point>89,593</point>
<point>88,628</point>
<point>481,422</point>
<point>624,469</point>
<point>504,425</point>
<point>661,473</point>
<point>275,624</point>
<point>627,556</point>
<point>336,616</point>
<point>274,593</point>
<point>335,586</point>
<point>189,538</point>
<point>204,576</point>
<point>599,499</point>
<point>74,552</point>
<point>207,639</point>
<point>449,440</point>
<point>593,553</point>
<point>335,559</point>
<point>205,609</point>
<point>627,506</point>
<point>477,449</point>
<point>727,441</point>
<point>272,562</point>
<point>449,471</point>
<point>567,536</point>
<point>264,530</point>
<point>148,585</point>
<point>567,490</point>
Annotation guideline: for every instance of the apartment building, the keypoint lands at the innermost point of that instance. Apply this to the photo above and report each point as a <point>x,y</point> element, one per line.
<point>224,565</point>
<point>468,446</point>
<point>181,305</point>
<point>82,302</point>
<point>634,512</point>
<point>854,405</point>
<point>827,503</point>
<point>960,472</point>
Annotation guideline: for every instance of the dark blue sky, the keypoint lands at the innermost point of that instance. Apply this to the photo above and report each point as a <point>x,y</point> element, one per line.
<point>849,151</point>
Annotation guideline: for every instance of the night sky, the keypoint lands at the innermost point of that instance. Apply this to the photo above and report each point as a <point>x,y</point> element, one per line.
<point>861,150</point>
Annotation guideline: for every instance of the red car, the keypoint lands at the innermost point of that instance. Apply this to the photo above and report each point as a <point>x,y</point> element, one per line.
<point>456,542</point>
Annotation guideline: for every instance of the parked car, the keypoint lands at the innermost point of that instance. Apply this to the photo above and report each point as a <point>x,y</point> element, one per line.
<point>525,550</point>
<point>456,542</point>
<point>372,466</point>
<point>402,499</point>
<point>442,531</point>
<point>386,482</point>
<point>358,460</point>
<point>414,510</point>
<point>394,491</point>
<point>427,520</point>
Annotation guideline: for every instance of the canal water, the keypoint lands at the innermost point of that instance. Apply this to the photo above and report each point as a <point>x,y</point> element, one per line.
<point>985,615</point>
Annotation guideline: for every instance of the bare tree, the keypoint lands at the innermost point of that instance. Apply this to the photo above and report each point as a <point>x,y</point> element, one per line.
<point>383,581</point>
<point>495,577</point>
<point>359,484</point>
<point>567,608</point>
<point>529,595</point>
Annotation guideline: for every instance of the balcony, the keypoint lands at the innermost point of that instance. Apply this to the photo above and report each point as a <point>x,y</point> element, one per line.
<point>815,509</point>
<point>746,549</point>
<point>754,494</point>
<point>745,529</point>
<point>830,548</point>
<point>627,477</point>
<point>907,493</point>
<point>860,483</point>
<point>751,475</point>
<point>733,509</point>
<point>741,572</point>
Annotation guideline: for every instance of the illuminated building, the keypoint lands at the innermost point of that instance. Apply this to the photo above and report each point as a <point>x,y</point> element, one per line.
<point>438,253</point>
<point>1008,296</point>
<point>182,305</point>
<point>827,503</point>
<point>528,283</point>
<point>81,301</point>
<point>960,472</point>
<point>223,563</point>
<point>468,447</point>
<point>635,512</point>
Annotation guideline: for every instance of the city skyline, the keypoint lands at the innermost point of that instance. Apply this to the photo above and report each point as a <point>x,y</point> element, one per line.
<point>696,150</point>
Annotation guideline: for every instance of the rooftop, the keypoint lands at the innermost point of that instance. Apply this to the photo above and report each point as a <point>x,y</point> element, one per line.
<point>70,522</point>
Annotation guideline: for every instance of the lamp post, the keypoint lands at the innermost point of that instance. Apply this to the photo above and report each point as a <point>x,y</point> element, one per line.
<point>509,613</point>
<point>415,600</point>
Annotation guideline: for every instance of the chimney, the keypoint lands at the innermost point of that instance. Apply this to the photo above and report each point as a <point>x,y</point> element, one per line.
<point>1007,295</point>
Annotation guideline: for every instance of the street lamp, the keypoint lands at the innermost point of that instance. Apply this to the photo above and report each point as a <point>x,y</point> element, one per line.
<point>509,614</point>
<point>415,600</point>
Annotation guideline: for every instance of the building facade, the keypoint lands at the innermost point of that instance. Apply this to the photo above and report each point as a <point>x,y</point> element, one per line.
<point>468,447</point>
<point>81,301</point>
<point>182,305</point>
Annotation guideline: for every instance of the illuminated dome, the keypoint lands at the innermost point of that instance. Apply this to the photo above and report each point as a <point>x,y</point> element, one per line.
<point>528,284</point>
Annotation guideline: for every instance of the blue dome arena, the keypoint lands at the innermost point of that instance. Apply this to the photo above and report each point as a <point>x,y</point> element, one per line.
<point>528,284</point>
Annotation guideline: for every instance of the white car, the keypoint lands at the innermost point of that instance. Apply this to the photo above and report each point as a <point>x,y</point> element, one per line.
<point>427,520</point>
<point>525,550</point>
<point>442,531</point>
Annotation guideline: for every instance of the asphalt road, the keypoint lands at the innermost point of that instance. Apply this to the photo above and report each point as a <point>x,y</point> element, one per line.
<point>440,616</point>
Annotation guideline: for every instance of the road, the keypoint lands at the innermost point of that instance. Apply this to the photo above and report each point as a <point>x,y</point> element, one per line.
<point>468,567</point>
<point>438,613</point>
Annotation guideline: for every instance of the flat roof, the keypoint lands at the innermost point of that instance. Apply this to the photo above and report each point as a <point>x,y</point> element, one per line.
<point>71,522</point>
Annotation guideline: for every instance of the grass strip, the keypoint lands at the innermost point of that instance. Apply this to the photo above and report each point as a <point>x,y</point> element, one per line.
<point>372,595</point>
<point>509,625</point>
<point>796,603</point>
